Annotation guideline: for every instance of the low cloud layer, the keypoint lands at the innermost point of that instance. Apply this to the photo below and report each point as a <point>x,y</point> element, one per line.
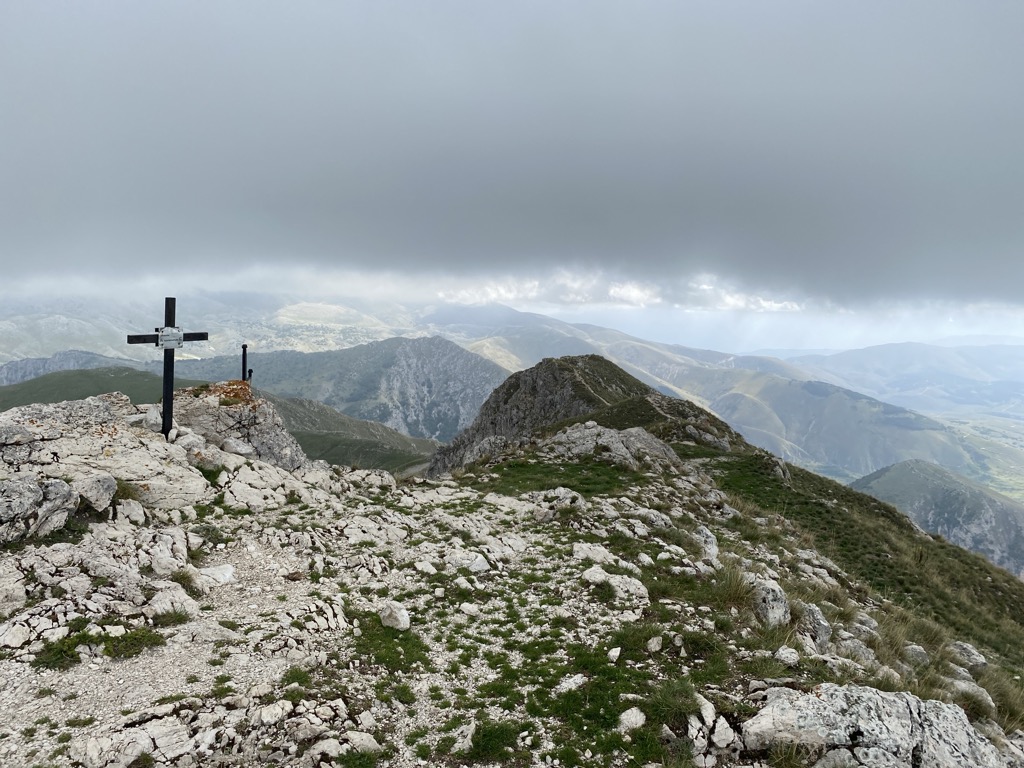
<point>791,153</point>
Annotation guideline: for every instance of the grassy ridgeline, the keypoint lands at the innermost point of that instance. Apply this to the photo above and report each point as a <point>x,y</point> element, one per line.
<point>57,387</point>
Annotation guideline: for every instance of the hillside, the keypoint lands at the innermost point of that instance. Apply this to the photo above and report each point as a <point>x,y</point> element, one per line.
<point>17,371</point>
<point>951,506</point>
<point>140,387</point>
<point>977,389</point>
<point>590,596</point>
<point>928,378</point>
<point>327,434</point>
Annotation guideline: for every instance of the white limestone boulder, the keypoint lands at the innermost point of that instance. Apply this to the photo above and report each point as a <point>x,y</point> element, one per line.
<point>905,729</point>
<point>98,489</point>
<point>771,607</point>
<point>395,615</point>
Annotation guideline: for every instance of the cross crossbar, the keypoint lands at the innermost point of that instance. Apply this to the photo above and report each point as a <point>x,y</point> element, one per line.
<point>168,338</point>
<point>154,338</point>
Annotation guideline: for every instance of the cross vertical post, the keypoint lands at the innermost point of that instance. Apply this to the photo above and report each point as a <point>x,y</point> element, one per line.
<point>168,401</point>
<point>245,361</point>
<point>168,338</point>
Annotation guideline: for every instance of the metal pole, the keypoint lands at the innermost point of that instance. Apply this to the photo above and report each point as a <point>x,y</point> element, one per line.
<point>168,409</point>
<point>245,361</point>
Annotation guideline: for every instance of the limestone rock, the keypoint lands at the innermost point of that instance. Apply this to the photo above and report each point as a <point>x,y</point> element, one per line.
<point>171,598</point>
<point>723,735</point>
<point>626,587</point>
<point>709,542</point>
<point>815,626</point>
<point>273,713</point>
<point>595,553</point>
<point>770,604</point>
<point>363,742</point>
<point>12,588</point>
<point>632,448</point>
<point>474,562</point>
<point>631,719</point>
<point>327,747</point>
<point>238,447</point>
<point>900,725</point>
<point>15,636</point>
<point>395,615</point>
<point>967,656</point>
<point>915,655</point>
<point>228,416</point>
<point>29,508</point>
<point>171,738</point>
<point>787,656</point>
<point>838,758</point>
<point>98,489</point>
<point>219,574</point>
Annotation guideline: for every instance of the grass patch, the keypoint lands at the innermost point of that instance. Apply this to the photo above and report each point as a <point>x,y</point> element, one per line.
<point>212,474</point>
<point>125,492</point>
<point>296,675</point>
<point>132,643</point>
<point>497,742</point>
<point>671,702</point>
<point>188,582</point>
<point>170,618</point>
<point>388,648</point>
<point>588,478</point>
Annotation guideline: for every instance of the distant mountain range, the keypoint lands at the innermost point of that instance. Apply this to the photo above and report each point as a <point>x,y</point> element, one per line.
<point>841,415</point>
<point>963,512</point>
<point>931,379</point>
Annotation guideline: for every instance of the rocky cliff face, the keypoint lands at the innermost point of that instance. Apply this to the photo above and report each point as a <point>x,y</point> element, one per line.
<point>561,389</point>
<point>592,597</point>
<point>963,512</point>
<point>17,371</point>
<point>424,387</point>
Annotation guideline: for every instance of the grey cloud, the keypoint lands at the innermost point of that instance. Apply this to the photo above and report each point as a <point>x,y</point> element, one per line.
<point>844,151</point>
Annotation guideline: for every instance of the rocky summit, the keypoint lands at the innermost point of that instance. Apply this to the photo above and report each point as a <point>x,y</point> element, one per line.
<point>588,595</point>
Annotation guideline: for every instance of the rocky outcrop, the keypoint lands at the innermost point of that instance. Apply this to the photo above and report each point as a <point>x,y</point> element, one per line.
<point>853,725</point>
<point>632,448</point>
<point>554,390</point>
<point>100,441</point>
<point>568,388</point>
<point>30,508</point>
<point>231,418</point>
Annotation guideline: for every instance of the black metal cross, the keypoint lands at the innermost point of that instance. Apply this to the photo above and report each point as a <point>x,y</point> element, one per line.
<point>168,338</point>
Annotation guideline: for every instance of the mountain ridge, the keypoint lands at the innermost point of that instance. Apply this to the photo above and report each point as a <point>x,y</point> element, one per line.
<point>767,400</point>
<point>560,391</point>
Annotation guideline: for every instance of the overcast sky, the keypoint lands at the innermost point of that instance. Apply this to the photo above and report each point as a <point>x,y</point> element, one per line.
<point>800,165</point>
